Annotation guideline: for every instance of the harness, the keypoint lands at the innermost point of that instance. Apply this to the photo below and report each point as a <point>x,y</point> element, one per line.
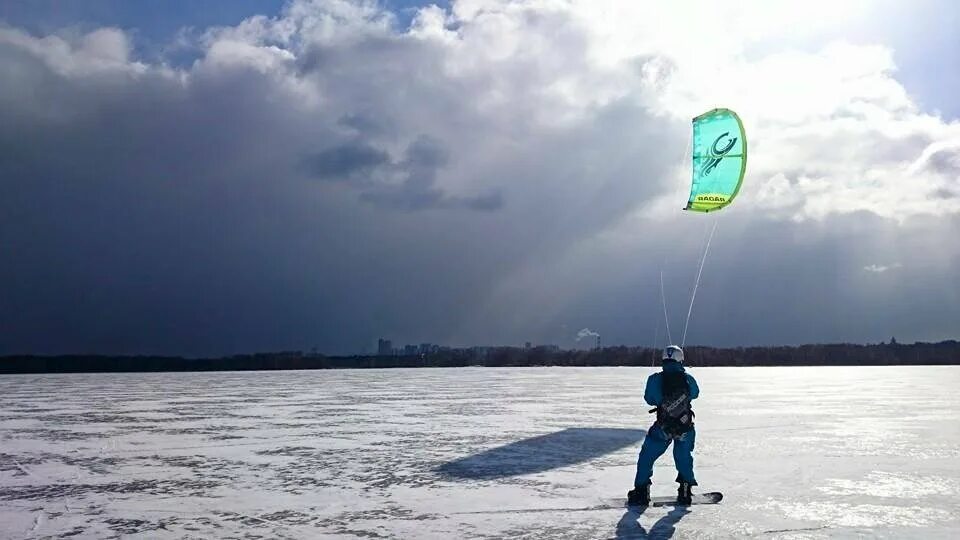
<point>674,413</point>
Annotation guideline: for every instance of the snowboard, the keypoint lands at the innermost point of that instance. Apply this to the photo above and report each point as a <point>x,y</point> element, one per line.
<point>712,497</point>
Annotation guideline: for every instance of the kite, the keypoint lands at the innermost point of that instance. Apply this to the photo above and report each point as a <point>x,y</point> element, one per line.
<point>719,160</point>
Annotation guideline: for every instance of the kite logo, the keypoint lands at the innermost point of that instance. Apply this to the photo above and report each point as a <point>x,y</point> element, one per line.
<point>716,154</point>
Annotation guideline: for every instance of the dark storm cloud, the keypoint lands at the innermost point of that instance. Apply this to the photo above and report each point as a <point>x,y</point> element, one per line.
<point>345,161</point>
<point>361,123</point>
<point>423,160</point>
<point>406,185</point>
<point>765,282</point>
<point>412,198</point>
<point>144,210</point>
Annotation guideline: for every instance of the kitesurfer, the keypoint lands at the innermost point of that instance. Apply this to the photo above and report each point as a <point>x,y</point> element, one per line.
<point>670,391</point>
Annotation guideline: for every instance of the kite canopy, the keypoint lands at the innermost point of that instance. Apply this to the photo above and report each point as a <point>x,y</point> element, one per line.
<point>719,160</point>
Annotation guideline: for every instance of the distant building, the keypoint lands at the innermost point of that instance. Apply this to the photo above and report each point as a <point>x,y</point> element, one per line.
<point>527,345</point>
<point>409,350</point>
<point>384,347</point>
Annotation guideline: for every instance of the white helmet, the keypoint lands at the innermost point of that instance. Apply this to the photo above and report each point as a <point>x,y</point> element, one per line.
<point>673,353</point>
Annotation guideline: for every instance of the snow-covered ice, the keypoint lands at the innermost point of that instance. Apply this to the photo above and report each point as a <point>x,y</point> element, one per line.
<point>811,452</point>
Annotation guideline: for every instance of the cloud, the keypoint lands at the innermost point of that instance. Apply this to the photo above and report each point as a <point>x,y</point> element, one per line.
<point>408,184</point>
<point>879,269</point>
<point>346,160</point>
<point>326,177</point>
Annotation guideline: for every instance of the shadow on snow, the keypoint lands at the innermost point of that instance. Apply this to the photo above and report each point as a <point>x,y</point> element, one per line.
<point>542,453</point>
<point>629,528</point>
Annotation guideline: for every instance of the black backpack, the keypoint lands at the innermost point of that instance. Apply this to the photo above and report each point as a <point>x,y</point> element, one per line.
<point>674,413</point>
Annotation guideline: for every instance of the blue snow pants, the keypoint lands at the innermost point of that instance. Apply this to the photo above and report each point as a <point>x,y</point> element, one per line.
<point>655,444</point>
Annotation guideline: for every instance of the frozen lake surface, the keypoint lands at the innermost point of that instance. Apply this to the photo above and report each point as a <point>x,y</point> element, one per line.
<point>474,453</point>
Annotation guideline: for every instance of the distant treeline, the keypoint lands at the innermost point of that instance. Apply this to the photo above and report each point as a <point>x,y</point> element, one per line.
<point>943,353</point>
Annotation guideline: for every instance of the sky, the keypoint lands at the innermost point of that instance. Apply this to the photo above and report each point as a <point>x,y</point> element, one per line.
<point>211,178</point>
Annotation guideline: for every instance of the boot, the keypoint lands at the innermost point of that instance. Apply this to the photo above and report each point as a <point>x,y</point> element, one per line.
<point>684,493</point>
<point>639,496</point>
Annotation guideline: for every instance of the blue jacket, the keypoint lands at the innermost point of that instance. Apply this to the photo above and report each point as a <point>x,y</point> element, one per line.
<point>654,392</point>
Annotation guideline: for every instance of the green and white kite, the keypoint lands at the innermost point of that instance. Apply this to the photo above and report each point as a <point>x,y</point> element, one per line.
<point>719,160</point>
